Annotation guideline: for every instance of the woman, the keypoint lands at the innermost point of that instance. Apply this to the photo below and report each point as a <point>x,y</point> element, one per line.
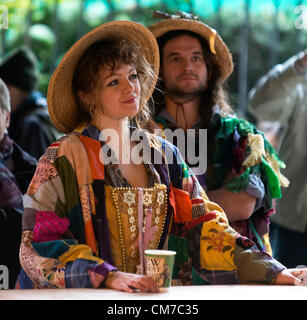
<point>92,209</point>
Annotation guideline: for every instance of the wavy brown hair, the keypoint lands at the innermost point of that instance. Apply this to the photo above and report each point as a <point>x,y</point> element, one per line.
<point>112,53</point>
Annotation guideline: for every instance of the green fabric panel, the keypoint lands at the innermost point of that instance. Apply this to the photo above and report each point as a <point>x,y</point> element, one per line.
<point>180,245</point>
<point>251,266</point>
<point>255,233</point>
<point>69,181</point>
<point>185,171</point>
<point>60,208</point>
<point>197,280</point>
<point>71,191</point>
<point>268,196</point>
<point>53,249</point>
<point>162,121</point>
<point>227,126</point>
<point>239,183</point>
<point>244,128</point>
<point>76,223</point>
<point>272,179</point>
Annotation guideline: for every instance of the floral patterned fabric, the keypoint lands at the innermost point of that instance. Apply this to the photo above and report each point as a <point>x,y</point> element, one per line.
<point>241,150</point>
<point>83,219</point>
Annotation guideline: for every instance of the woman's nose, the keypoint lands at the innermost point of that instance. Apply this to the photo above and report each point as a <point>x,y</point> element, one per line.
<point>128,86</point>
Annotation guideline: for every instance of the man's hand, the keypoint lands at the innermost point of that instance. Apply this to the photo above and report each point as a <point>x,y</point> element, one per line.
<point>291,277</point>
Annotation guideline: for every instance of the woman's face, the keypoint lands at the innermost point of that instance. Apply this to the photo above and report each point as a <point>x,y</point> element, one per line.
<point>119,92</point>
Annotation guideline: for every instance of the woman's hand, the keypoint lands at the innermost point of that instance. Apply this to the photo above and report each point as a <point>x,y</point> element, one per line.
<point>129,282</point>
<point>291,277</point>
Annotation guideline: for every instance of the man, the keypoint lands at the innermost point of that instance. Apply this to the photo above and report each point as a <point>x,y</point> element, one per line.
<point>281,96</point>
<point>16,170</point>
<point>30,125</point>
<point>242,167</point>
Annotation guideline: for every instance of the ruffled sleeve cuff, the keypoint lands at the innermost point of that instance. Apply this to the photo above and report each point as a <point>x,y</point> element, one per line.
<point>104,268</point>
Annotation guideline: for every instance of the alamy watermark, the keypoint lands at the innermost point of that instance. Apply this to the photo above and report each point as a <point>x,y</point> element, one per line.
<point>4,277</point>
<point>192,143</point>
<point>301,20</point>
<point>4,17</point>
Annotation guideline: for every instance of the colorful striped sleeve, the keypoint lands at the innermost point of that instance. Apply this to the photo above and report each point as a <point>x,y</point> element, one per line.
<point>217,253</point>
<point>54,252</point>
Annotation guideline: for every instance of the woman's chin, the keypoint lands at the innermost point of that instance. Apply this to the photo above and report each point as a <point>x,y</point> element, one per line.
<point>133,111</point>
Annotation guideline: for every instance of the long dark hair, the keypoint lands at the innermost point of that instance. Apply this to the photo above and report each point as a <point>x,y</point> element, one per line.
<point>215,94</point>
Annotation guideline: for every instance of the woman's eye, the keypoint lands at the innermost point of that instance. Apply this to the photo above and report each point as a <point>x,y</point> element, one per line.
<point>134,76</point>
<point>113,83</point>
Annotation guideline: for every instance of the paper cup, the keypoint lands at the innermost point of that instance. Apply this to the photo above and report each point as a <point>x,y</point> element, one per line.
<point>159,266</point>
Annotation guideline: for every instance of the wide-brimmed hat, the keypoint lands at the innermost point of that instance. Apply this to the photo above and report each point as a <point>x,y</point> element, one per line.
<point>218,48</point>
<point>63,110</point>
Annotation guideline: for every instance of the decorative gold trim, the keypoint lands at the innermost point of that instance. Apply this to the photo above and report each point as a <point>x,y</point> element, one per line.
<point>122,247</point>
<point>154,242</point>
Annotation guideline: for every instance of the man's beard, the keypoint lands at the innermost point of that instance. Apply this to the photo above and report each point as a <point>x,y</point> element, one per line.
<point>182,94</point>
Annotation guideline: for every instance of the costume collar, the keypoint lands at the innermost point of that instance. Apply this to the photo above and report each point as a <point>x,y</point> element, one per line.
<point>6,147</point>
<point>164,114</point>
<point>93,132</point>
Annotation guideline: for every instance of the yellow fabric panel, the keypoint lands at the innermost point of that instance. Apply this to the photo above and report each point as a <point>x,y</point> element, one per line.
<point>256,143</point>
<point>267,244</point>
<point>284,182</point>
<point>217,245</point>
<point>78,251</point>
<point>122,214</point>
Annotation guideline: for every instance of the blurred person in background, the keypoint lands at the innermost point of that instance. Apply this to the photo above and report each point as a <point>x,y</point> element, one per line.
<point>280,96</point>
<point>16,170</point>
<point>30,125</point>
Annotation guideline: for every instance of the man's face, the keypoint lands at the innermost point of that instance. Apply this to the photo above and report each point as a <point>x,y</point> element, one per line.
<point>184,70</point>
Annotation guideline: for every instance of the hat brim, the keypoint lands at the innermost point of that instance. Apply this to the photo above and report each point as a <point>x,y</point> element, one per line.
<point>222,54</point>
<point>63,110</point>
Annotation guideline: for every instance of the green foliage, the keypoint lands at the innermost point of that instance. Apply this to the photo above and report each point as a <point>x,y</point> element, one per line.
<point>50,27</point>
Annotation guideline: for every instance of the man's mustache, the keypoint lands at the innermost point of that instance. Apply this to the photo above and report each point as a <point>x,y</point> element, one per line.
<point>188,75</point>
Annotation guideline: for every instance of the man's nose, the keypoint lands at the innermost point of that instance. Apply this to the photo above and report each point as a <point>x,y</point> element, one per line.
<point>187,64</point>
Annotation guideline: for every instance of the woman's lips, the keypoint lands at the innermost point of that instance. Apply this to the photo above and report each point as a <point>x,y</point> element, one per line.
<point>130,101</point>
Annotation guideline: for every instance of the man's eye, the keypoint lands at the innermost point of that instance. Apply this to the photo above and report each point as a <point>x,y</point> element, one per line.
<point>197,58</point>
<point>175,59</point>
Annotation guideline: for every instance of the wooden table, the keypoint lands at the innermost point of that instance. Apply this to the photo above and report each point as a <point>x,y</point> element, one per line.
<point>187,293</point>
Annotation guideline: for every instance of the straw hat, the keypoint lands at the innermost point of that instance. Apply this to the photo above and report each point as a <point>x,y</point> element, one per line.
<point>185,21</point>
<point>63,110</point>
